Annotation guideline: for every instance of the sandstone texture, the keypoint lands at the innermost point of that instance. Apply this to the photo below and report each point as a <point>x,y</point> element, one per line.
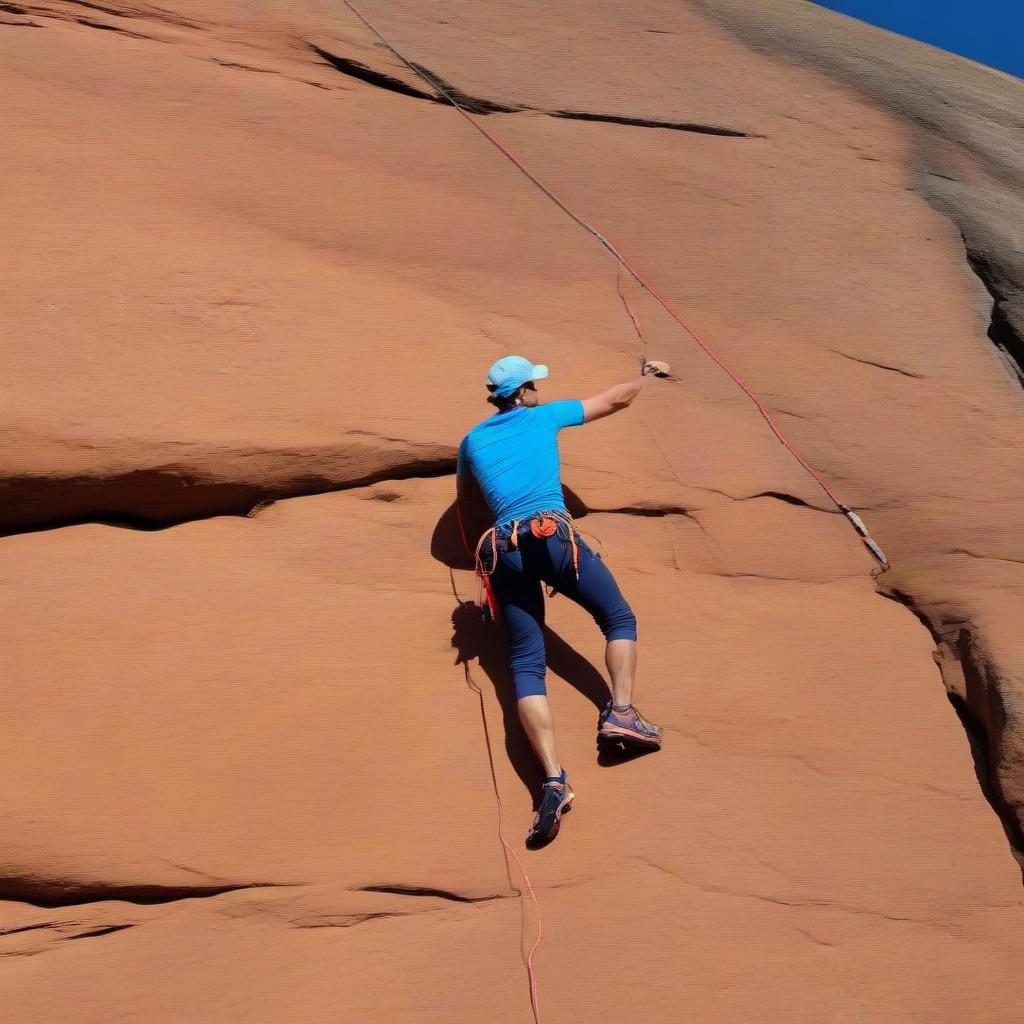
<point>258,748</point>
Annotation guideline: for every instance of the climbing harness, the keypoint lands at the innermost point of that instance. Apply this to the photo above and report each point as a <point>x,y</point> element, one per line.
<point>624,264</point>
<point>541,525</point>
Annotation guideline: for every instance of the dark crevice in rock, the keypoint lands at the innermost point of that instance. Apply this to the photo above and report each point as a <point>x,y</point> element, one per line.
<point>984,769</point>
<point>1001,331</point>
<point>243,67</point>
<point>979,708</point>
<point>150,13</point>
<point>96,932</point>
<point>15,9</point>
<point>417,890</point>
<point>88,22</point>
<point>235,66</point>
<point>789,499</point>
<point>992,558</point>
<point>646,511</point>
<point>642,122</point>
<point>104,10</point>
<point>881,366</point>
<point>157,499</point>
<point>900,597</point>
<point>474,104</point>
<point>28,928</point>
<point>172,17</point>
<point>983,714</point>
<point>354,69</point>
<point>653,511</point>
<point>50,893</point>
<point>349,921</point>
<point>478,105</point>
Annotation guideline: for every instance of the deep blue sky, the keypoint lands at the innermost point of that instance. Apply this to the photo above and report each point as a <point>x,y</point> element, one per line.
<point>988,31</point>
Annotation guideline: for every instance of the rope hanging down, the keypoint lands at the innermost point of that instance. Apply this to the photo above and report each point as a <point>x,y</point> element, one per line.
<point>855,520</point>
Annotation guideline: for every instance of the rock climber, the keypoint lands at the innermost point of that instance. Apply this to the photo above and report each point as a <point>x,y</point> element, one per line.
<point>513,457</point>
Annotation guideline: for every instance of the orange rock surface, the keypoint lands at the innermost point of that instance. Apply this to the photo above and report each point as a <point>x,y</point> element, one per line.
<point>253,762</point>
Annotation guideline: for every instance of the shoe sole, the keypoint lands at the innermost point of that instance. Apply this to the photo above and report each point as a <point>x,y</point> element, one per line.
<point>614,736</point>
<point>553,831</point>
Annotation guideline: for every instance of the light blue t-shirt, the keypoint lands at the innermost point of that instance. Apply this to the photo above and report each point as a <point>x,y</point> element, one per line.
<point>514,457</point>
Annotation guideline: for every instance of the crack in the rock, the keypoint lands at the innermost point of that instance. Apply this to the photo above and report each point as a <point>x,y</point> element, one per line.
<point>789,499</point>
<point>89,23</point>
<point>362,73</point>
<point>243,67</point>
<point>345,920</point>
<point>171,17</point>
<point>422,890</point>
<point>881,366</point>
<point>989,558</point>
<point>808,904</point>
<point>104,10</point>
<point>149,13</point>
<point>981,712</point>
<point>27,928</point>
<point>982,738</point>
<point>96,932</point>
<point>1008,340</point>
<point>806,762</point>
<point>235,66</point>
<point>21,11</point>
<point>479,105</point>
<point>371,76</point>
<point>474,104</point>
<point>131,500</point>
<point>50,894</point>
<point>806,580</point>
<point>645,511</point>
<point>643,122</point>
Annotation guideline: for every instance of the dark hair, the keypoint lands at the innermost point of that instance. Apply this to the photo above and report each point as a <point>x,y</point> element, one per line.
<point>502,402</point>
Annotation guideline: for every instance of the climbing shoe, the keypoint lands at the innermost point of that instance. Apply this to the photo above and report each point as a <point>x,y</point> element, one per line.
<point>627,728</point>
<point>555,800</point>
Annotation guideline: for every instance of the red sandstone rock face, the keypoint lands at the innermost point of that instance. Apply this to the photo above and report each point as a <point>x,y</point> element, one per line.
<point>247,774</point>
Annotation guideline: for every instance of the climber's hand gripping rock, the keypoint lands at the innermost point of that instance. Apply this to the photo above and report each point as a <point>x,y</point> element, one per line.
<point>656,368</point>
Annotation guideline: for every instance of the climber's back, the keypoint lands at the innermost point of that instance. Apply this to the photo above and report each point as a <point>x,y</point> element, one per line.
<point>514,457</point>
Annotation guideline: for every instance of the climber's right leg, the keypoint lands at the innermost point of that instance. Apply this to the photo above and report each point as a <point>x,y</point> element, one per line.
<point>620,660</point>
<point>620,723</point>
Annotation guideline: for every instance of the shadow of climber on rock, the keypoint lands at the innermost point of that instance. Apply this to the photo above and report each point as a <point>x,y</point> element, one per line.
<point>486,642</point>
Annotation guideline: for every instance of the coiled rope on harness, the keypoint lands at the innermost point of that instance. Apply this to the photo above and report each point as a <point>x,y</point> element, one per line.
<point>623,263</point>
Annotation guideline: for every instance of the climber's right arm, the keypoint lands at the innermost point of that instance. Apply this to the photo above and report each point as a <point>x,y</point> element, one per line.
<point>622,395</point>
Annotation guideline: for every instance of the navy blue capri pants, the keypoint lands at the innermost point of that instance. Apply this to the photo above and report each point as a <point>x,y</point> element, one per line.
<point>517,578</point>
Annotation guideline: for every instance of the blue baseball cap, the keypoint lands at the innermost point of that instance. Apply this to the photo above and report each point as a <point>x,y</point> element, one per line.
<point>510,373</point>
